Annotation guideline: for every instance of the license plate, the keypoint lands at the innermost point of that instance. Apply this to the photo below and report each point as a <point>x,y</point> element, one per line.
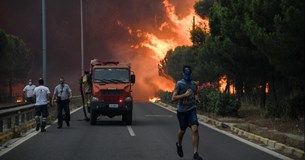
<point>113,106</point>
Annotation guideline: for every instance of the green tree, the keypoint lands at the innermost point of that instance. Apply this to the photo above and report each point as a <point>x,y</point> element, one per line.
<point>252,42</point>
<point>276,28</point>
<point>202,7</point>
<point>16,60</point>
<point>198,36</point>
<point>175,59</point>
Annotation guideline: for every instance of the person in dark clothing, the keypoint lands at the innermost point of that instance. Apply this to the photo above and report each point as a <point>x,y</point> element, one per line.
<point>62,95</point>
<point>185,93</point>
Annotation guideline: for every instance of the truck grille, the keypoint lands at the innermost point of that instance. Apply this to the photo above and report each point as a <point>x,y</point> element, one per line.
<point>112,95</point>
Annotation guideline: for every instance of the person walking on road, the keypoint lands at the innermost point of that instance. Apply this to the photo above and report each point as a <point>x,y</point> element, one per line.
<point>62,95</point>
<point>185,93</point>
<point>28,92</point>
<point>42,94</point>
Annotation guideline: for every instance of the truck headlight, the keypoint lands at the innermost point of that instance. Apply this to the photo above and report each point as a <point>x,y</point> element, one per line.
<point>128,99</point>
<point>94,99</point>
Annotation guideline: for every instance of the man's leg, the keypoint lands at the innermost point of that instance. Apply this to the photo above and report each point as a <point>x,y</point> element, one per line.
<point>43,124</point>
<point>37,117</point>
<point>179,143</point>
<point>67,114</point>
<point>45,113</point>
<point>59,115</point>
<point>180,136</point>
<point>195,138</point>
<point>183,125</point>
<point>195,133</point>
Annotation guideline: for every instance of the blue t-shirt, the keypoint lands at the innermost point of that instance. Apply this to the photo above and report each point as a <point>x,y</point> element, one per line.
<point>187,103</point>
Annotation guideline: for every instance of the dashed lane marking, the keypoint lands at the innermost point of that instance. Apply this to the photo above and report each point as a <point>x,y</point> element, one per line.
<point>131,132</point>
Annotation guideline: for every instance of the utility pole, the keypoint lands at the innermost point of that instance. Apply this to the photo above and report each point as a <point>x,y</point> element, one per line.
<point>82,38</point>
<point>194,26</point>
<point>44,55</point>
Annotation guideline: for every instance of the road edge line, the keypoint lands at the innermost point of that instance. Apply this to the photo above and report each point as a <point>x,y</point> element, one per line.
<point>266,150</point>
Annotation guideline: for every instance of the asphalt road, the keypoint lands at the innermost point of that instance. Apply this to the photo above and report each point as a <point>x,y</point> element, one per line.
<point>152,136</point>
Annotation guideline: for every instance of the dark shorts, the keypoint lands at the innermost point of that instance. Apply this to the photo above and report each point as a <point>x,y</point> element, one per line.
<point>187,119</point>
<point>41,110</point>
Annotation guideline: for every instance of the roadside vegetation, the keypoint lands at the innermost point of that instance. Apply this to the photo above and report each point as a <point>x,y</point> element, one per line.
<point>257,46</point>
<point>15,63</point>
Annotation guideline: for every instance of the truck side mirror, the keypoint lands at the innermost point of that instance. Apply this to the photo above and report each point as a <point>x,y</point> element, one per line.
<point>133,78</point>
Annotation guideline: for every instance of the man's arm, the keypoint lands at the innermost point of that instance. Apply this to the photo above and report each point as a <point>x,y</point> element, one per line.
<point>34,95</point>
<point>24,93</point>
<point>50,99</point>
<point>177,97</point>
<point>53,98</point>
<point>70,92</point>
<point>197,98</point>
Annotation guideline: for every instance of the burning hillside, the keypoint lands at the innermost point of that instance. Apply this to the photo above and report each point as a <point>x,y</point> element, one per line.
<point>136,31</point>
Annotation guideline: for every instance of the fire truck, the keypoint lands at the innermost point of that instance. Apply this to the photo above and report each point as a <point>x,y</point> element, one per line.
<point>110,91</point>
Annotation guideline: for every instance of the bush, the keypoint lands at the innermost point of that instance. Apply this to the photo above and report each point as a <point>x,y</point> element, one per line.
<point>165,96</point>
<point>293,109</point>
<point>297,106</point>
<point>222,104</point>
<point>212,100</point>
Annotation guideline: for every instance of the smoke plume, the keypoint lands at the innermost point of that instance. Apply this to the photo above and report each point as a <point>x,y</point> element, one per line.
<point>114,30</point>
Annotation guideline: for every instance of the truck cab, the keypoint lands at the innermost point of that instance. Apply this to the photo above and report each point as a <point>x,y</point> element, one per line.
<point>111,91</point>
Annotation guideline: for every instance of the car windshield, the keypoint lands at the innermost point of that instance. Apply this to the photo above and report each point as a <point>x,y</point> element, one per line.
<point>111,75</point>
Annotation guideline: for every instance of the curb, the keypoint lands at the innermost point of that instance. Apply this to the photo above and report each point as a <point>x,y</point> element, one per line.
<point>269,142</point>
<point>16,132</point>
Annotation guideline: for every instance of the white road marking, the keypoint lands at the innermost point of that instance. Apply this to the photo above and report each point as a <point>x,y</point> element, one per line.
<point>273,153</point>
<point>11,144</point>
<point>131,132</point>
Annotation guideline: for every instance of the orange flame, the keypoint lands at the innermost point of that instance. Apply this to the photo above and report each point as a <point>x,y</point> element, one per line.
<point>19,100</point>
<point>154,99</point>
<point>160,46</point>
<point>223,83</point>
<point>172,33</point>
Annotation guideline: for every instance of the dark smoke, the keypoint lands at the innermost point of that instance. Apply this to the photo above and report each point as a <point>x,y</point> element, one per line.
<point>104,37</point>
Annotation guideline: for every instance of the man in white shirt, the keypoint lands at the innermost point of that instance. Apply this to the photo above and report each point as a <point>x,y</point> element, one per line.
<point>28,92</point>
<point>42,94</point>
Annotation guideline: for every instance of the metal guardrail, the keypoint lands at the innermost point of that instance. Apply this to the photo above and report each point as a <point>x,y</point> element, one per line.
<point>15,120</point>
<point>14,117</point>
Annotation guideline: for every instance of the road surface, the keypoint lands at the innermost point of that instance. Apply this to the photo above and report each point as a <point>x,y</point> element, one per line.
<point>152,136</point>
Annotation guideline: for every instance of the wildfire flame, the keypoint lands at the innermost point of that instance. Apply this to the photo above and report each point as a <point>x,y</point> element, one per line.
<point>158,46</point>
<point>181,27</point>
<point>19,100</point>
<point>223,83</point>
<point>232,90</point>
<point>154,99</point>
<point>173,32</point>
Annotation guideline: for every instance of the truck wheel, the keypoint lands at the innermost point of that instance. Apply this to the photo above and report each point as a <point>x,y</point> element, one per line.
<point>127,118</point>
<point>93,118</point>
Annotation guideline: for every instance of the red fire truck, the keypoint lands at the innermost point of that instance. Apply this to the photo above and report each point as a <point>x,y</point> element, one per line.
<point>110,90</point>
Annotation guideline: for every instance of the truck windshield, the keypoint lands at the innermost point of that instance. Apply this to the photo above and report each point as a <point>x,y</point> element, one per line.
<point>111,75</point>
